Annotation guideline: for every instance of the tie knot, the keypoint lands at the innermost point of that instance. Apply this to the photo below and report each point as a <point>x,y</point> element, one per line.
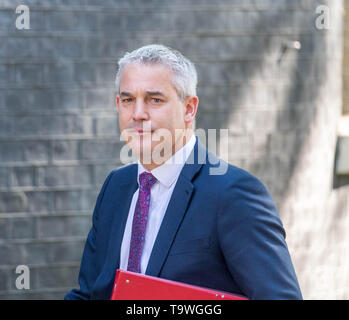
<point>146,180</point>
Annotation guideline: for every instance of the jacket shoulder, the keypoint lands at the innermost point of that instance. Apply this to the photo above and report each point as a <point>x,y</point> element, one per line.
<point>124,172</point>
<point>231,176</point>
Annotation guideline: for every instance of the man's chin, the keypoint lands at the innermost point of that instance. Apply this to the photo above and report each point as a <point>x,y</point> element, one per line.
<point>151,152</point>
<point>142,150</point>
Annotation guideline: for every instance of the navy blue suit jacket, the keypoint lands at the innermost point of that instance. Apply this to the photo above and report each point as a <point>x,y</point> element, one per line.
<point>219,231</point>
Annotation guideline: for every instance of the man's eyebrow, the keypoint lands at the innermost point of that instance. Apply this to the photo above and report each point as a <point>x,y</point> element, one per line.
<point>125,94</point>
<point>155,93</point>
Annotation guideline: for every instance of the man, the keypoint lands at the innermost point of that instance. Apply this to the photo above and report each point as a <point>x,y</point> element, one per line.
<point>167,215</point>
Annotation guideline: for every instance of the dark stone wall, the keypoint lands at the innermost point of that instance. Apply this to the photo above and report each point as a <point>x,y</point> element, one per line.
<point>59,136</point>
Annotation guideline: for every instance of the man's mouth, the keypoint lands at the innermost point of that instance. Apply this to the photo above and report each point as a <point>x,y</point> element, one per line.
<point>141,131</point>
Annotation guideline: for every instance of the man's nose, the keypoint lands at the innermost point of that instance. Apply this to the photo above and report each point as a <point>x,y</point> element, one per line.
<point>140,111</point>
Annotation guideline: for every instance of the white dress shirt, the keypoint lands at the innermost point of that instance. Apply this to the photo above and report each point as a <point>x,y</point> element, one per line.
<point>167,175</point>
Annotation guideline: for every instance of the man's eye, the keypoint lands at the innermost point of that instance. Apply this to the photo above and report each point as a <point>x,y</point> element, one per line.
<point>157,100</point>
<point>127,100</point>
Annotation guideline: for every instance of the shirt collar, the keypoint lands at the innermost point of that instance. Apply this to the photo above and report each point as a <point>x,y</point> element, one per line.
<point>169,171</point>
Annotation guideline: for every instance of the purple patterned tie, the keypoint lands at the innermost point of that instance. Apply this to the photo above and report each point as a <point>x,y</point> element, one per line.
<point>140,217</point>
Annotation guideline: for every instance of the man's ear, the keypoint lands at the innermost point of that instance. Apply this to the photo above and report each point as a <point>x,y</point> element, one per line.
<point>191,106</point>
<point>117,102</point>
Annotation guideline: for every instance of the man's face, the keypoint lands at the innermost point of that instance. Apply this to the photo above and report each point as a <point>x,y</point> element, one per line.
<point>150,110</point>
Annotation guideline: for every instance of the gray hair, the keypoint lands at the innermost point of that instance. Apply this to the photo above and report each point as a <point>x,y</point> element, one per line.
<point>184,72</point>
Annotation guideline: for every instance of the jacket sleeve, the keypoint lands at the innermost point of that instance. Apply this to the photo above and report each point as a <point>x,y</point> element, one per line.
<point>252,240</point>
<point>89,267</point>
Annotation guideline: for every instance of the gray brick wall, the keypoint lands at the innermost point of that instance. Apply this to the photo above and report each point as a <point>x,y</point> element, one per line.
<point>59,136</point>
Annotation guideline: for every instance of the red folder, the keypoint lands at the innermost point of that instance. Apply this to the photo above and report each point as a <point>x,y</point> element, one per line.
<point>135,286</point>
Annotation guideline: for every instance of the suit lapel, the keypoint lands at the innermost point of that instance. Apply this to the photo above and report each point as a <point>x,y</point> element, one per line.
<point>175,212</point>
<point>172,220</point>
<point>121,204</point>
